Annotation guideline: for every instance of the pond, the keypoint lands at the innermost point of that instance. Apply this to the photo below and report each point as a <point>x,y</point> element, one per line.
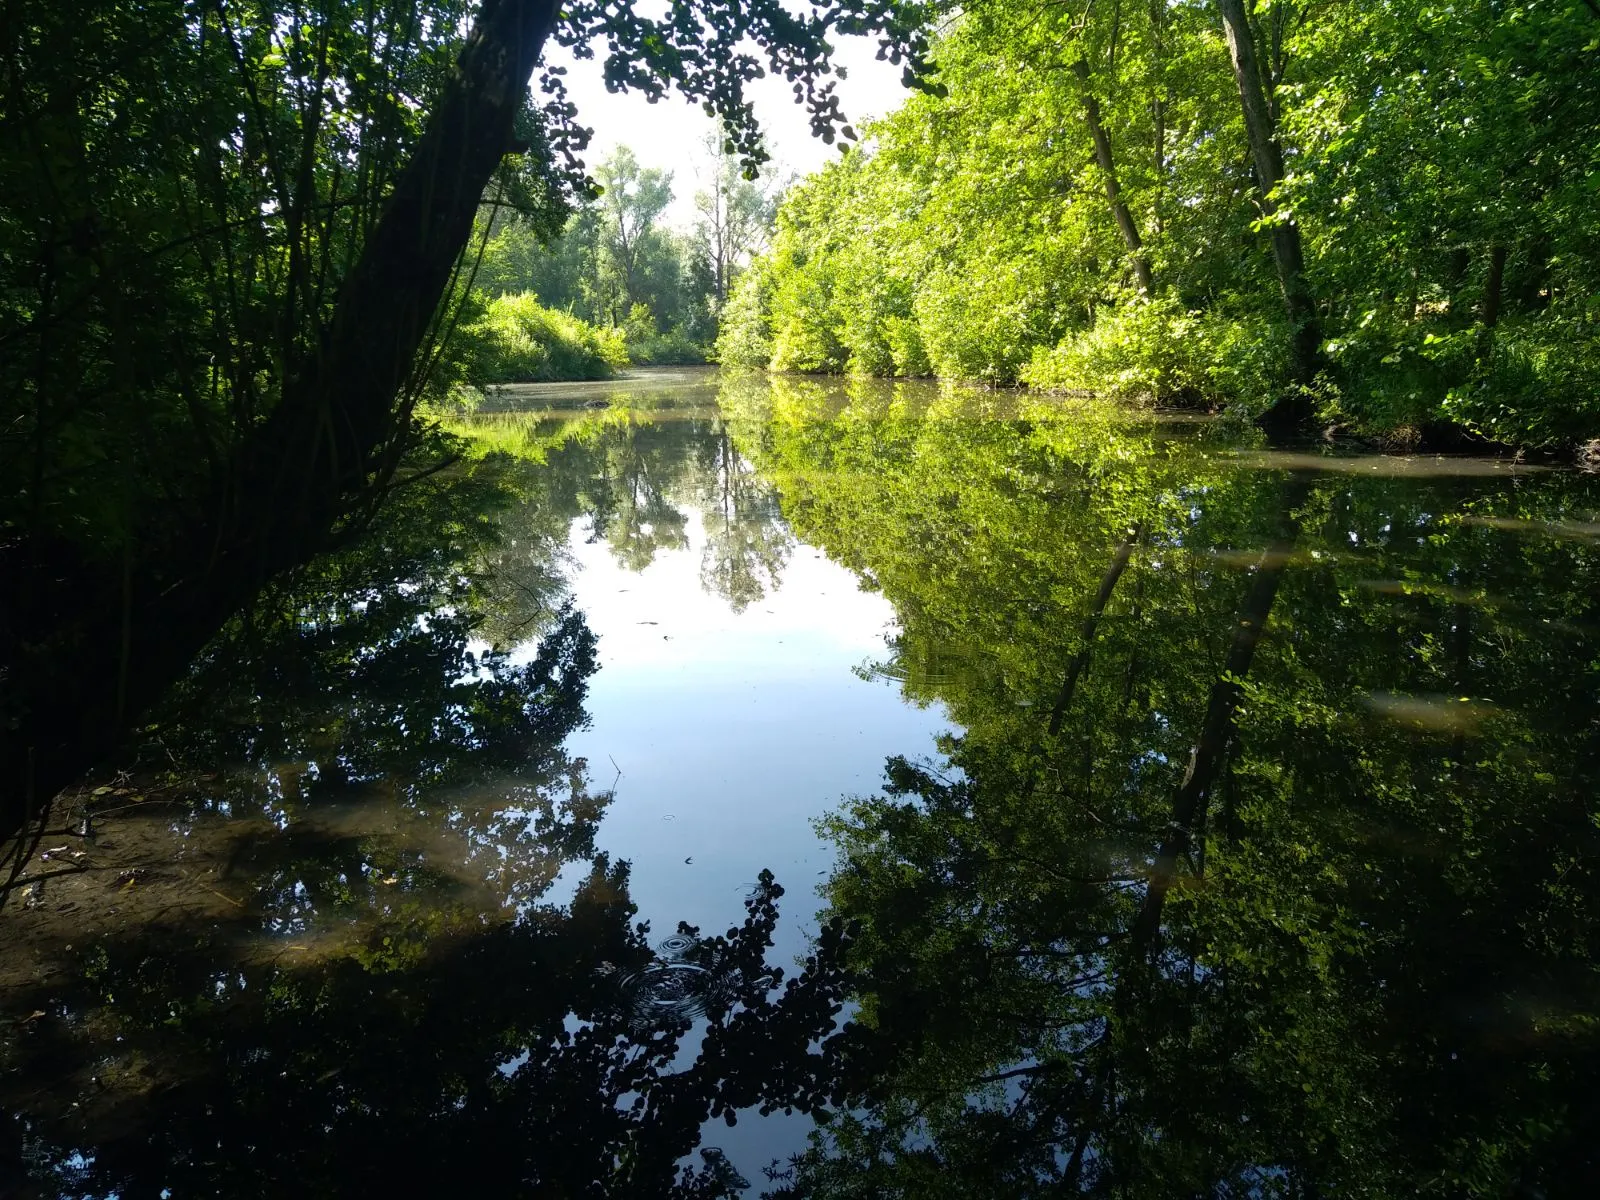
<point>736,786</point>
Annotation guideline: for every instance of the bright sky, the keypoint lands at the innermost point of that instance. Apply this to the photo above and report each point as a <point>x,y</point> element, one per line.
<point>669,134</point>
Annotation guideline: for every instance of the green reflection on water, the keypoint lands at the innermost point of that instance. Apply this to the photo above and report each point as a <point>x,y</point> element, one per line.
<point>1264,859</point>
<point>1260,860</point>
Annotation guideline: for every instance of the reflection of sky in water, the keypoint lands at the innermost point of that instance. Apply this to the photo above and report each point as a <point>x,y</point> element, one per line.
<point>733,732</point>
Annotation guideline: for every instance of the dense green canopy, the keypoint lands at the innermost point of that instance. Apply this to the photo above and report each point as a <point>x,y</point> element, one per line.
<point>1391,205</point>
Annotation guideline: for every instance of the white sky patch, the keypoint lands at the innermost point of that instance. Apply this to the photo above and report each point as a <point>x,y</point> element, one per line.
<point>662,618</point>
<point>670,134</point>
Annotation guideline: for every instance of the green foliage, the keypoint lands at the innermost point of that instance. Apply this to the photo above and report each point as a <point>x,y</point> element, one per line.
<point>1150,350</point>
<point>647,345</point>
<point>1439,174</point>
<point>615,266</point>
<point>518,340</point>
<point>745,339</point>
<point>1352,983</point>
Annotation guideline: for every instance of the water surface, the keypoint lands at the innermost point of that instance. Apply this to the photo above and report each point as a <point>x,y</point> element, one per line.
<point>1167,813</point>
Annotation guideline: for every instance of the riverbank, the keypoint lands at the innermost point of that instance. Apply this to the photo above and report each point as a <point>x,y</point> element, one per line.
<point>1104,204</point>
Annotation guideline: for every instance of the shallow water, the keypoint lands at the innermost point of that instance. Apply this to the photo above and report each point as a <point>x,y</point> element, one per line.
<point>1166,813</point>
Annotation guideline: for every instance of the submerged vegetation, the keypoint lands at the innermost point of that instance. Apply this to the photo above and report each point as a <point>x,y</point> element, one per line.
<point>1381,214</point>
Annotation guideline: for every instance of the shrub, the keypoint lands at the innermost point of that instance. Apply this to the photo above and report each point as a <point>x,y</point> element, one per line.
<point>518,340</point>
<point>1536,381</point>
<point>1156,351</point>
<point>983,319</point>
<point>745,339</point>
<point>648,346</point>
<point>1141,350</point>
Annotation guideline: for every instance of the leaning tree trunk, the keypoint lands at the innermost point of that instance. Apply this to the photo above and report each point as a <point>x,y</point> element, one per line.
<point>1267,155</point>
<point>115,642</point>
<point>1210,749</point>
<point>1108,172</point>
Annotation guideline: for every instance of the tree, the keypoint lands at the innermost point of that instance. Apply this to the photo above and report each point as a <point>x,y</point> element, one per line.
<point>1266,154</point>
<point>1375,217</point>
<point>735,217</point>
<point>249,337</point>
<point>631,199</point>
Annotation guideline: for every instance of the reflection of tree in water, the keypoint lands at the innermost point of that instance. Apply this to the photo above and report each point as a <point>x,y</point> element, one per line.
<point>747,542</point>
<point>633,473</point>
<point>344,966</point>
<point>427,1059</point>
<point>1224,889</point>
<point>629,471</point>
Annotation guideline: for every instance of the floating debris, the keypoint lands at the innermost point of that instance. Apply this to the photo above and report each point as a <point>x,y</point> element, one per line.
<point>1249,560</point>
<point>1571,530</point>
<point>1409,587</point>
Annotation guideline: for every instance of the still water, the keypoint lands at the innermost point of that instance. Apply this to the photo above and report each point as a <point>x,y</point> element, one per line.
<point>731,787</point>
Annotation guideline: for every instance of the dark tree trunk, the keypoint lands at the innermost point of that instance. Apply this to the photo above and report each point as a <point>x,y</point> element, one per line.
<point>1108,584</point>
<point>1216,729</point>
<point>1108,172</point>
<point>118,639</point>
<point>1493,287</point>
<point>1267,156</point>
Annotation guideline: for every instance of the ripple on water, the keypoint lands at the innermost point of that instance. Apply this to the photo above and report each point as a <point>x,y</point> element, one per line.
<point>674,946</point>
<point>668,991</point>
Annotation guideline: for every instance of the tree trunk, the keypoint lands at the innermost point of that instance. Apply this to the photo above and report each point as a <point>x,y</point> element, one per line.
<point>1216,730</point>
<point>1108,584</point>
<point>1267,155</point>
<point>275,501</point>
<point>1493,286</point>
<point>1108,172</point>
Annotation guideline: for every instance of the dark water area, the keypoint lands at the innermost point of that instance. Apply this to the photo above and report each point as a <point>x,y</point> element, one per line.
<point>730,787</point>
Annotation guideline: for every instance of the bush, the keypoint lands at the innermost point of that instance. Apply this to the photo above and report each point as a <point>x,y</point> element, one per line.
<point>649,347</point>
<point>1536,382</point>
<point>805,327</point>
<point>1142,350</point>
<point>1156,351</point>
<point>984,318</point>
<point>745,339</point>
<point>518,340</point>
